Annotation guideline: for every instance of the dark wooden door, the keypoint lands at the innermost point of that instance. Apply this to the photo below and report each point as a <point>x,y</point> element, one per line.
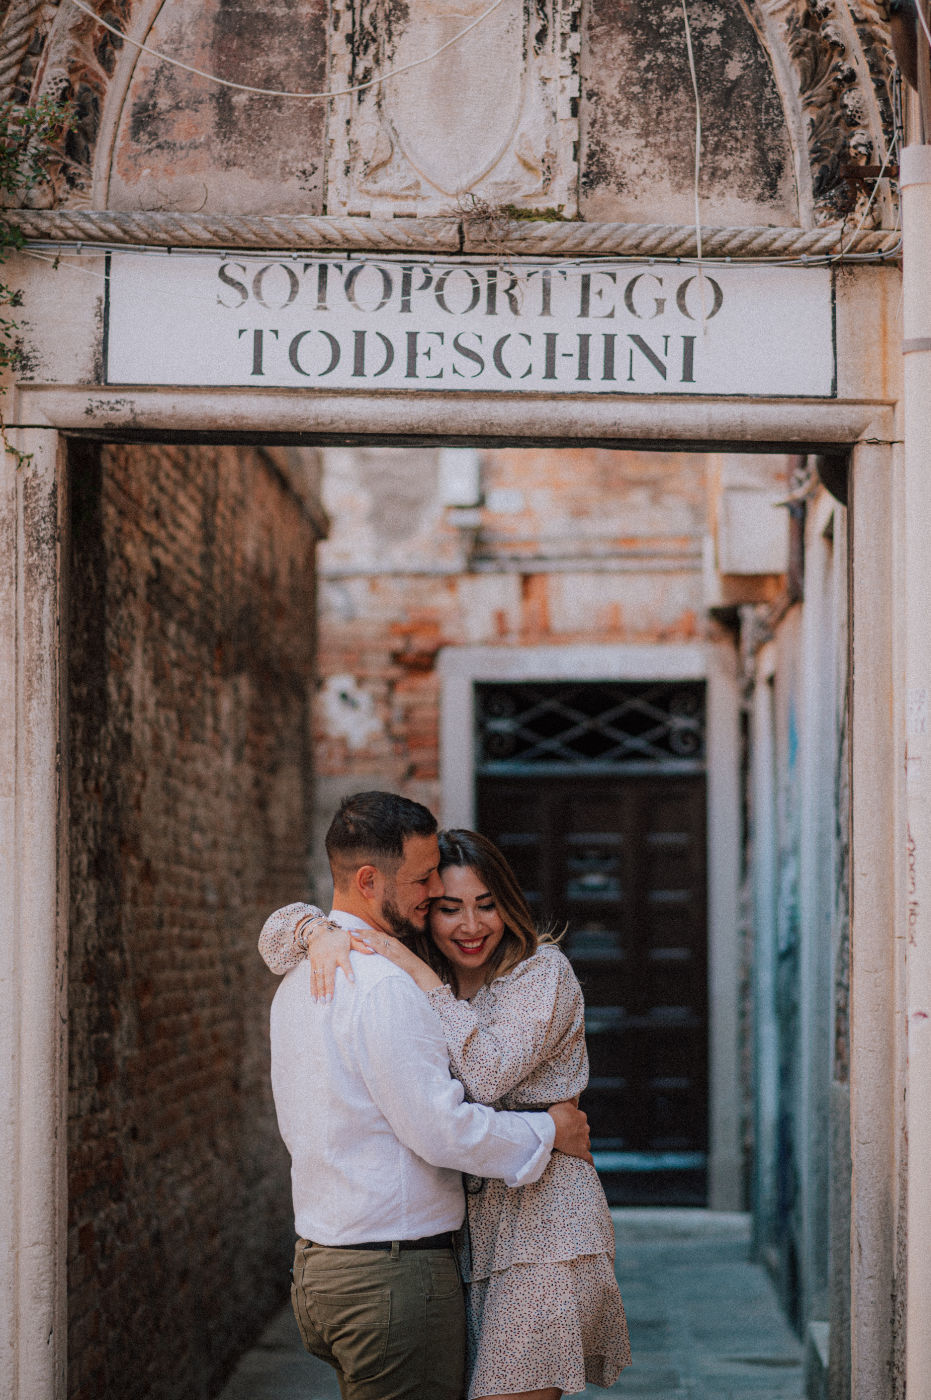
<point>622,861</point>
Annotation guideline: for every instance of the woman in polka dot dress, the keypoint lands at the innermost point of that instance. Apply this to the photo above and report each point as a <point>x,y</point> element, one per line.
<point>544,1311</point>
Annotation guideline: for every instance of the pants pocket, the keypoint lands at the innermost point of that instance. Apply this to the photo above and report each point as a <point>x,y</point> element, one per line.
<point>312,1339</point>
<point>444,1275</point>
<point>355,1328</point>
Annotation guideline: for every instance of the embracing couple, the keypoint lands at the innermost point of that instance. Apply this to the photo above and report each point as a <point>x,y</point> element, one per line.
<point>425,1030</point>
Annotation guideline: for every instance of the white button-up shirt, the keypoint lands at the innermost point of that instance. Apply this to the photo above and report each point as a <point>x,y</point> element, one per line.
<point>377,1128</point>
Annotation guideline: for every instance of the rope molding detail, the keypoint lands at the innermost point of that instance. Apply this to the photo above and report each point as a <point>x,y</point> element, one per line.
<point>675,240</point>
<point>18,29</point>
<point>286,231</point>
<point>299,232</point>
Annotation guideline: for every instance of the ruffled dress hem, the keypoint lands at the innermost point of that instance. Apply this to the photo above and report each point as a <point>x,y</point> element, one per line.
<point>535,1326</point>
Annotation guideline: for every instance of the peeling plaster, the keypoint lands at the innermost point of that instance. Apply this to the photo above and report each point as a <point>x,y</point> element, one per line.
<point>349,711</point>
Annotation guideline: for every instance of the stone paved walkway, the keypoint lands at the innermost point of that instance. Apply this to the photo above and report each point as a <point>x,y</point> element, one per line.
<point>704,1322</point>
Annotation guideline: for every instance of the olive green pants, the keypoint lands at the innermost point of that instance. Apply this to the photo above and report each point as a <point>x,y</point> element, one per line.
<point>392,1324</point>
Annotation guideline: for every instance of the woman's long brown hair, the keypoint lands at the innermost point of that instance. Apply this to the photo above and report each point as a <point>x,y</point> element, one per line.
<point>471,851</point>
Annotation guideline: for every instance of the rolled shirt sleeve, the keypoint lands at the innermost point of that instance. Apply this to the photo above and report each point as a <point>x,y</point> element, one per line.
<point>403,1058</point>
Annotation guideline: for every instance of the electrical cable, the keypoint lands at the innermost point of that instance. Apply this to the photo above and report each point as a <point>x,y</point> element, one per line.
<point>275,92</point>
<point>895,98</point>
<point>697,170</point>
<point>875,190</point>
<point>515,260</point>
<point>56,263</point>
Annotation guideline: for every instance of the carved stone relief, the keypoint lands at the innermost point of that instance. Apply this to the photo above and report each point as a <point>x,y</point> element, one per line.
<point>840,66</point>
<point>494,120</point>
<point>76,63</point>
<point>491,119</point>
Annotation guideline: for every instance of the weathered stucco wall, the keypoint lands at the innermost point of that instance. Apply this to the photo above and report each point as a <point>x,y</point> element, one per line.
<point>179,143</point>
<point>796,678</point>
<point>190,771</point>
<point>638,130</point>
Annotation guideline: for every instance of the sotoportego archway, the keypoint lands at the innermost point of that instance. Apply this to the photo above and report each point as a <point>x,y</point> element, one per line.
<point>797,119</point>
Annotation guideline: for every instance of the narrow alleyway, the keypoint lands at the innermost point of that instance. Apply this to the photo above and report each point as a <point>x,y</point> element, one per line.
<point>704,1322</point>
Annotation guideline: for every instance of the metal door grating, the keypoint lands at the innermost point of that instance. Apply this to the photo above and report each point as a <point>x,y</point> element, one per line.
<point>590,727</point>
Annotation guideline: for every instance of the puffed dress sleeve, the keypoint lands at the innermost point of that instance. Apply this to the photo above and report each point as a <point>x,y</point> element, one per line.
<point>537,1006</point>
<point>283,940</point>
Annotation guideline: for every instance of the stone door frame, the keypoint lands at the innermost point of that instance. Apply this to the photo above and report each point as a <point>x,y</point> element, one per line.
<point>462,668</point>
<point>33,771</point>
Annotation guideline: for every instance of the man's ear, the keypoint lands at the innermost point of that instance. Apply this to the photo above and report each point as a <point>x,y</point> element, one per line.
<point>368,881</point>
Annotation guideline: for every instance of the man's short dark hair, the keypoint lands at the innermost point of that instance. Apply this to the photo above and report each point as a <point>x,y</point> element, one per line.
<point>370,828</point>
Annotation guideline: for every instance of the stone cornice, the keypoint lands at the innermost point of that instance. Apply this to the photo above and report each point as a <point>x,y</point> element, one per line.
<point>526,238</point>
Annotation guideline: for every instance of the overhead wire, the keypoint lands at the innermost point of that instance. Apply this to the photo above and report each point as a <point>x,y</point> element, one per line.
<point>523,266</point>
<point>276,92</point>
<point>697,166</point>
<point>893,144</point>
<point>57,263</point>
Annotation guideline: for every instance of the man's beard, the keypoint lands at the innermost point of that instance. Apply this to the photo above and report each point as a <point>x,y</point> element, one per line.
<point>400,927</point>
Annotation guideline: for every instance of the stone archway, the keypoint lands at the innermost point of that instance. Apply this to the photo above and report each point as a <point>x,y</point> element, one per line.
<point>38,897</point>
<point>829,67</point>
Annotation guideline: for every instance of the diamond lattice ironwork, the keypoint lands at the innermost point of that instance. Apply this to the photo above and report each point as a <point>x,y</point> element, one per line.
<point>590,727</point>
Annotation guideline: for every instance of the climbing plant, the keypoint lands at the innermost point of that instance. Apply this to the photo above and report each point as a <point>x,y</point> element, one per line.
<point>29,140</point>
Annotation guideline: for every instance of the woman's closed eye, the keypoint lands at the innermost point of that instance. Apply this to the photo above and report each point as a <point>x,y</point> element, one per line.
<point>457,909</point>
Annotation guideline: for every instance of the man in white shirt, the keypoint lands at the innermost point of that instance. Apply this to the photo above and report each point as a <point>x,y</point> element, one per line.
<point>379,1131</point>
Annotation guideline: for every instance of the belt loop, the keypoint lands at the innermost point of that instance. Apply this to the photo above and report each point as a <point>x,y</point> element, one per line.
<point>395,1248</point>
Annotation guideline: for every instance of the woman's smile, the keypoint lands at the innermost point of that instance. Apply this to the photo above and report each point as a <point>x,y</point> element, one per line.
<point>471,946</point>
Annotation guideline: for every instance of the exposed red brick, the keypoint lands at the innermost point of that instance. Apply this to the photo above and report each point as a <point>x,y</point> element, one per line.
<point>190,682</point>
<point>535,618</point>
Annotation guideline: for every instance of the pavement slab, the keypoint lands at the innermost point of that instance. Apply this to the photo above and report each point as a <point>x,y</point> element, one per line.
<point>704,1320</point>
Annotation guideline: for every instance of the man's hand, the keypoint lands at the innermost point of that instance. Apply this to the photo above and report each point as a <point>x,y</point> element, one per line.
<point>572,1135</point>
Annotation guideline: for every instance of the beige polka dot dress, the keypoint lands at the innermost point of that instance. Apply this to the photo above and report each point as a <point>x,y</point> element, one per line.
<point>543,1305</point>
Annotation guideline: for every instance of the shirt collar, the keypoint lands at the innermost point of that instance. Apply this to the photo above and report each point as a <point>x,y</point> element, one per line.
<point>339,916</point>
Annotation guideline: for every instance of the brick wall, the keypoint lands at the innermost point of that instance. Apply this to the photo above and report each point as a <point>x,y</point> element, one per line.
<point>191,646</point>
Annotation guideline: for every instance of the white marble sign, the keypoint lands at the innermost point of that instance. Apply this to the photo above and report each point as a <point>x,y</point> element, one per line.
<point>335,322</point>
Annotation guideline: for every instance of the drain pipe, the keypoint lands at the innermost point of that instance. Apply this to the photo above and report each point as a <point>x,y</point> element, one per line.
<point>916,220</point>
